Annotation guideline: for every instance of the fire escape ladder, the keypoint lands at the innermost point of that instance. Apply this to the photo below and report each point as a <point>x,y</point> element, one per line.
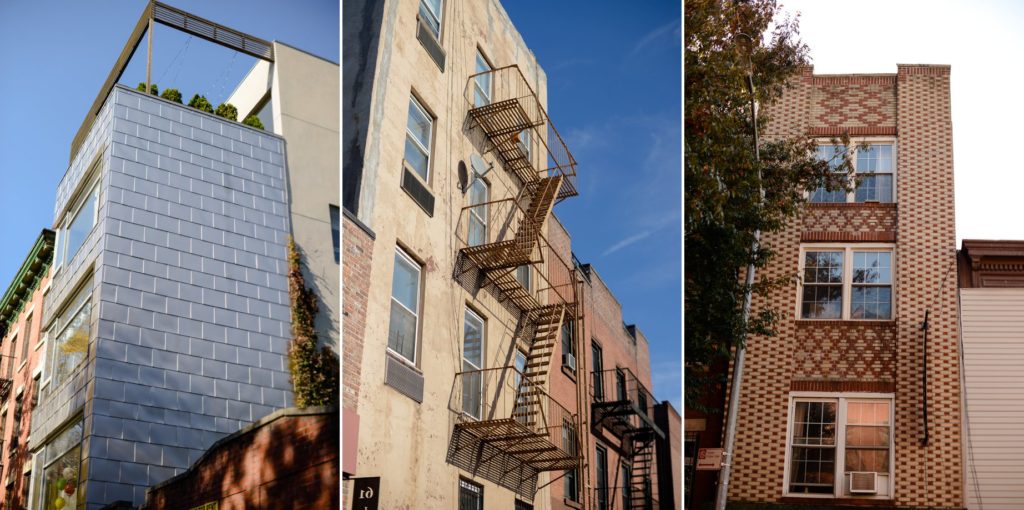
<point>549,321</point>
<point>641,481</point>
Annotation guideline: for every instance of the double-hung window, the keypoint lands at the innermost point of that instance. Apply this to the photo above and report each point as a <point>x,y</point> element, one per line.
<point>836,437</point>
<point>418,133</point>
<point>874,167</point>
<point>522,399</point>
<point>524,278</point>
<point>479,195</point>
<point>472,363</point>
<point>405,310</point>
<point>482,82</point>
<point>846,282</point>
<point>571,489</point>
<point>431,13</point>
<point>568,345</point>
<point>471,495</point>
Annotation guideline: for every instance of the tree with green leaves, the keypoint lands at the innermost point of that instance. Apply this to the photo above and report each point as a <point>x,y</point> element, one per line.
<point>731,62</point>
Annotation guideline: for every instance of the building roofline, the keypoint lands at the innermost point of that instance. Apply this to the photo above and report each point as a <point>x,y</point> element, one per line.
<point>27,278</point>
<point>307,52</point>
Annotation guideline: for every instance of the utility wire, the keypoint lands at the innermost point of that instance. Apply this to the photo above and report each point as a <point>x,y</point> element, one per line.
<point>184,48</point>
<point>224,77</point>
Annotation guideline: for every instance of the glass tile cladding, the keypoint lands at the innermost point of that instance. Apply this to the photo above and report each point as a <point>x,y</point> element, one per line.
<point>187,309</point>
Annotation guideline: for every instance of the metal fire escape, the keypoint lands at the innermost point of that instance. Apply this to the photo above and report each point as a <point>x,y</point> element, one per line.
<point>508,427</point>
<point>623,406</point>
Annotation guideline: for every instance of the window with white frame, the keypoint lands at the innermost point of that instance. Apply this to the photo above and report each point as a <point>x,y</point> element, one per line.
<point>405,298</point>
<point>835,437</point>
<point>874,166</point>
<point>472,363</point>
<point>418,133</point>
<point>482,82</point>
<point>846,282</point>
<point>526,144</point>
<point>523,275</point>
<point>59,463</point>
<point>431,13</point>
<point>479,195</point>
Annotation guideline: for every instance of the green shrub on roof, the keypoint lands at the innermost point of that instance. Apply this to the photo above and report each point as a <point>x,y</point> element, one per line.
<point>142,88</point>
<point>228,111</point>
<point>201,103</point>
<point>172,95</point>
<point>253,121</point>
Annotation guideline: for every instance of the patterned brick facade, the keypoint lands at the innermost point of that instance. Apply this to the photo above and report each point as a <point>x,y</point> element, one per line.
<point>913,106</point>
<point>358,248</point>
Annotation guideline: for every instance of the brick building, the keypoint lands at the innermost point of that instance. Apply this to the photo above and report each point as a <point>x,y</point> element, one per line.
<point>471,329</point>
<point>21,367</point>
<point>854,402</point>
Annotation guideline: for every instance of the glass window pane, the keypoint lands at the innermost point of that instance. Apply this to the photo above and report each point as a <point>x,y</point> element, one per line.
<point>867,460</point>
<point>61,480</point>
<point>477,231</point>
<point>70,345</point>
<point>473,331</point>
<point>416,158</point>
<point>523,275</point>
<point>80,226</point>
<point>419,124</point>
<point>432,18</point>
<point>405,286</point>
<point>402,332</point>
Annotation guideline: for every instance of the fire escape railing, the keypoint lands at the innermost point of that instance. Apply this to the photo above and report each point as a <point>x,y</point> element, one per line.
<point>621,403</point>
<point>512,108</point>
<point>6,376</point>
<point>630,497</point>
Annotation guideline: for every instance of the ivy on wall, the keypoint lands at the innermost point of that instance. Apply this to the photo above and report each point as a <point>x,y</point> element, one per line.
<point>314,369</point>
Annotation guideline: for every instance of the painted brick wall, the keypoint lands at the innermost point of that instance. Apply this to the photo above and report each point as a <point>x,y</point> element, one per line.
<point>192,303</point>
<point>877,356</point>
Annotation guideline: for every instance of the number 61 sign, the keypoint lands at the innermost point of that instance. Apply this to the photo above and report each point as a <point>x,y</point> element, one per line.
<point>366,493</point>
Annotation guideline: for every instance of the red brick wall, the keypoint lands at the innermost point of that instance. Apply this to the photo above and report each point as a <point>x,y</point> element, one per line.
<point>286,460</point>
<point>867,356</point>
<point>357,246</point>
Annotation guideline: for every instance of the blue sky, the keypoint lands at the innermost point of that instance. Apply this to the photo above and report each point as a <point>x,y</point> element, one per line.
<point>614,93</point>
<point>57,58</point>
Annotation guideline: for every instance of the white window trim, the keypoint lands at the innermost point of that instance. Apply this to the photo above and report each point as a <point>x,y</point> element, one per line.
<point>854,143</point>
<point>53,324</point>
<point>489,94</point>
<point>840,464</point>
<point>439,16</point>
<point>415,313</point>
<point>430,137</point>
<point>483,355</point>
<point>848,249</point>
<point>483,205</point>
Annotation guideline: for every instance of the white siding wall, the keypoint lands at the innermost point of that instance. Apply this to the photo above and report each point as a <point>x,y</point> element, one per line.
<point>993,338</point>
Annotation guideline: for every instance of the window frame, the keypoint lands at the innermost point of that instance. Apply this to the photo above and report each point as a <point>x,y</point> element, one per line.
<point>848,250</point>
<point>852,149</point>
<point>473,207</point>
<point>399,251</point>
<point>467,315</point>
<point>91,191</point>
<point>418,104</point>
<point>471,486</point>
<point>68,311</point>
<point>841,400</point>
<point>488,94</point>
<point>438,16</point>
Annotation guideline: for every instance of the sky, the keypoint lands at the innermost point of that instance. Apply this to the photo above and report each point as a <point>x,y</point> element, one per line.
<point>614,95</point>
<point>56,60</point>
<point>982,42</point>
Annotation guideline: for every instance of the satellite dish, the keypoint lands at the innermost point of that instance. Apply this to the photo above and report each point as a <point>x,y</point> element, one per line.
<point>463,176</point>
<point>480,168</point>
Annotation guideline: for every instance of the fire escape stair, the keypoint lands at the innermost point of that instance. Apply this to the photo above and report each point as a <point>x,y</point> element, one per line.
<point>642,460</point>
<point>502,122</point>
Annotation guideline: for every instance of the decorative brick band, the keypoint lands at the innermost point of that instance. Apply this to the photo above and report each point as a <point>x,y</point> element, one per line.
<point>845,386</point>
<point>927,70</point>
<point>853,131</point>
<point>843,323</point>
<point>852,237</point>
<point>854,79</point>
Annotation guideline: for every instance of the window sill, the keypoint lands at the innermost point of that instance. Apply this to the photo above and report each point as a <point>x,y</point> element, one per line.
<point>572,504</point>
<point>852,205</point>
<point>881,501</point>
<point>570,374</point>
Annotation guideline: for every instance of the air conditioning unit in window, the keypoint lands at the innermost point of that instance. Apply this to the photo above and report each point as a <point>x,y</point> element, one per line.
<point>863,482</point>
<point>568,360</point>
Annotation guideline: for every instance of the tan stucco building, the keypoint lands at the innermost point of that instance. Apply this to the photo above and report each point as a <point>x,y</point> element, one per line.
<point>469,325</point>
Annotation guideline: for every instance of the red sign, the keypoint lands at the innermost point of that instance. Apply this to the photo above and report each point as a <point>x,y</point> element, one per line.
<point>709,459</point>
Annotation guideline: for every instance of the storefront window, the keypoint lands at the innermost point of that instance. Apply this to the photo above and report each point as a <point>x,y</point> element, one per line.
<point>59,485</point>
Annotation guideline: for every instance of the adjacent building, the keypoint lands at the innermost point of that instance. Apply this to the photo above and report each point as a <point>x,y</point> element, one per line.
<point>484,365</point>
<point>21,367</point>
<point>856,400</point>
<point>991,284</point>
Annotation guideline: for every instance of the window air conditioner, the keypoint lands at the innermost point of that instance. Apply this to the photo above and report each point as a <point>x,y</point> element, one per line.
<point>568,360</point>
<point>863,482</point>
